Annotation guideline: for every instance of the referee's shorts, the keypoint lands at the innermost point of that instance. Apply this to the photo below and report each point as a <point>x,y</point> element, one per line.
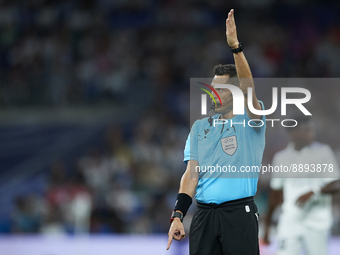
<point>228,228</point>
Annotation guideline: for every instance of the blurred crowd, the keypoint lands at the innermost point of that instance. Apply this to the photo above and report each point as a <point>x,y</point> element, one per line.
<point>84,51</point>
<point>127,186</point>
<point>143,53</point>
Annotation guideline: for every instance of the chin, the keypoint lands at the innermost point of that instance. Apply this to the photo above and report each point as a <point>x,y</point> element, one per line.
<point>222,110</point>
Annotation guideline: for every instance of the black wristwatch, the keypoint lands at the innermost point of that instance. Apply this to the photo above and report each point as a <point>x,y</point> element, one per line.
<point>176,214</point>
<point>237,50</point>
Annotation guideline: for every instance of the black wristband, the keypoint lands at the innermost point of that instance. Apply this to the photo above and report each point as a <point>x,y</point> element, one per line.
<point>237,50</point>
<point>183,203</point>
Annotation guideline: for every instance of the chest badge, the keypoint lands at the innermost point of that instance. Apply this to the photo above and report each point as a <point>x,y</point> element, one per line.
<point>229,144</point>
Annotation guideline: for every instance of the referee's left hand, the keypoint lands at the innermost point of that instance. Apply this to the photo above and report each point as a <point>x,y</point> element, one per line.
<point>176,231</point>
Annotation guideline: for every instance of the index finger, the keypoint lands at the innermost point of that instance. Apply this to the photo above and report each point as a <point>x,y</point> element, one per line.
<point>170,240</point>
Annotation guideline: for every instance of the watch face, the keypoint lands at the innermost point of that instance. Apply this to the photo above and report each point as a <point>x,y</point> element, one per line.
<point>178,215</point>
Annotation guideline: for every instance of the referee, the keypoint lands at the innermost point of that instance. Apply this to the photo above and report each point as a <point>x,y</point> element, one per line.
<point>226,219</point>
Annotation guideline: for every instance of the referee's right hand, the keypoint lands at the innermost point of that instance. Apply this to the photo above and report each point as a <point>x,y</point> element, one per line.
<point>176,231</point>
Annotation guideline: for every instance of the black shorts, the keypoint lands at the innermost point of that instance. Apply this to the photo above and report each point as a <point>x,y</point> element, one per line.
<point>228,228</point>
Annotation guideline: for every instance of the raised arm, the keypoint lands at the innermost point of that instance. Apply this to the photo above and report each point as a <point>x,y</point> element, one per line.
<point>242,67</point>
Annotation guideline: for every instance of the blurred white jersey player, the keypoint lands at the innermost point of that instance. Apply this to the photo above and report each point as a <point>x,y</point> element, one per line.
<point>307,193</point>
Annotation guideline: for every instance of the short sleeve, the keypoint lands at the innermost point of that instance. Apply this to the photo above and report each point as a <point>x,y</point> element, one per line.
<point>191,145</point>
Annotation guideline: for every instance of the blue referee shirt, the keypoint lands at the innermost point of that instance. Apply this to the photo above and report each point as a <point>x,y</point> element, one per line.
<point>229,157</point>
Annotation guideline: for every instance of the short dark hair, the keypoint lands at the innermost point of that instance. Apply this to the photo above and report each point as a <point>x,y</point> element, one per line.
<point>228,69</point>
<point>225,70</point>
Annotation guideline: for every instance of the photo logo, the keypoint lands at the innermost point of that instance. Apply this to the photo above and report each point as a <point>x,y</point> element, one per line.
<point>239,101</point>
<point>204,97</point>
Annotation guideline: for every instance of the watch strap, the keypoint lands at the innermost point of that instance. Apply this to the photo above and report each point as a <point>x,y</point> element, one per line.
<point>237,50</point>
<point>176,214</point>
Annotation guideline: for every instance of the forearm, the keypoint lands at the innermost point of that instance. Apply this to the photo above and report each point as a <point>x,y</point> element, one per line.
<point>189,179</point>
<point>275,199</point>
<point>242,66</point>
<point>244,74</point>
<point>269,214</point>
<point>188,185</point>
<point>273,203</point>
